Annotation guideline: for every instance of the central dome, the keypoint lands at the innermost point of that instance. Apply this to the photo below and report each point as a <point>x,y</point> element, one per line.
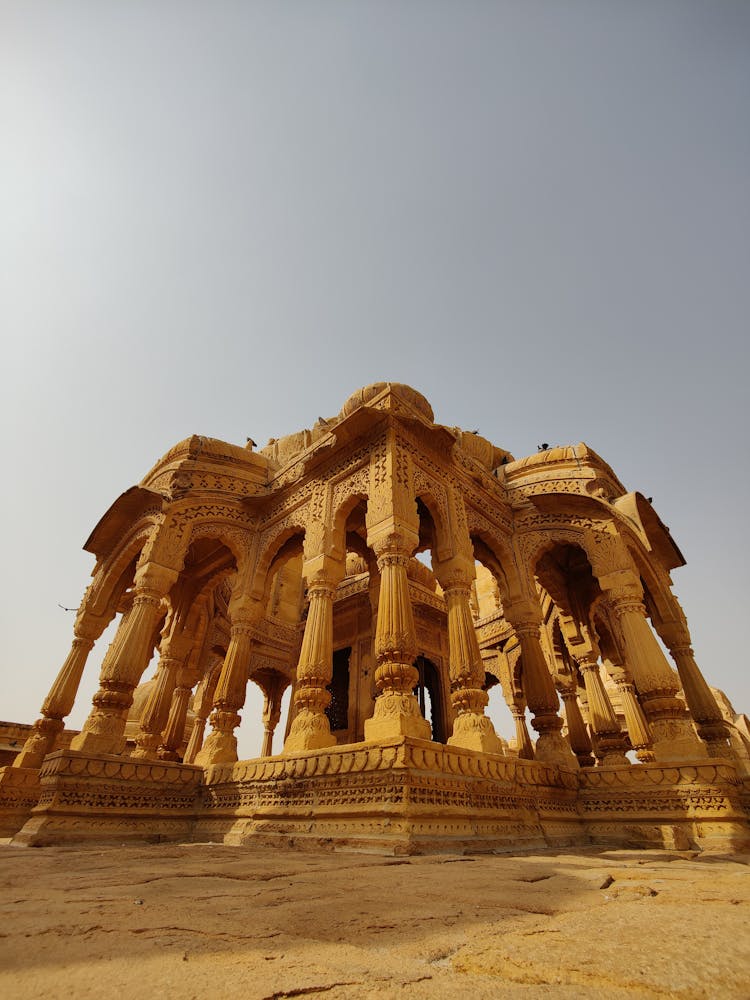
<point>365,395</point>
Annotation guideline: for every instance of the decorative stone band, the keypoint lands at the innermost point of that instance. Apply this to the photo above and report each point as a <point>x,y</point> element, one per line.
<point>83,642</point>
<point>147,598</point>
<point>681,649</point>
<point>240,629</point>
<point>473,700</point>
<point>321,588</point>
<point>400,647</point>
<point>628,597</point>
<point>526,628</point>
<point>399,753</point>
<point>391,557</point>
<point>74,763</point>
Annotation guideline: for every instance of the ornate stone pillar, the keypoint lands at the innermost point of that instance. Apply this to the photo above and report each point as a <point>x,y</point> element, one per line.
<point>539,688</point>
<point>124,663</point>
<point>523,740</point>
<point>673,736</point>
<point>175,731</point>
<point>635,721</point>
<point>59,702</point>
<point>202,703</point>
<point>156,709</point>
<point>273,685</point>
<point>472,729</point>
<point>196,739</point>
<point>221,745</point>
<point>699,697</point>
<point>396,708</point>
<point>271,716</point>
<point>578,736</point>
<point>609,741</point>
<point>310,729</point>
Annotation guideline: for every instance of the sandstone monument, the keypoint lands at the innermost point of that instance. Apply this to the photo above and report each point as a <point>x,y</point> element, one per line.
<point>296,565</point>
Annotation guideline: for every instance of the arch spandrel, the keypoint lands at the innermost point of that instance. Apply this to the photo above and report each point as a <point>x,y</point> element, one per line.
<point>113,575</point>
<point>602,543</point>
<point>270,543</point>
<point>493,549</point>
<point>443,541</point>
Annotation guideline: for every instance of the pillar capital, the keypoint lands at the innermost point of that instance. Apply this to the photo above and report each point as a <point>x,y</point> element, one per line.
<point>675,635</point>
<point>455,574</point>
<point>394,540</point>
<point>153,581</point>
<point>524,616</point>
<point>243,629</point>
<point>587,661</point>
<point>323,571</point>
<point>88,627</point>
<point>245,609</point>
<point>621,581</point>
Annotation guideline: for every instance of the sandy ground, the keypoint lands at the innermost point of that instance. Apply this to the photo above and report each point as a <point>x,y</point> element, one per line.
<point>194,921</point>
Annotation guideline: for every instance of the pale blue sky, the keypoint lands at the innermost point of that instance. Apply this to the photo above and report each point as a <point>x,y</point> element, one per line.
<point>221,218</point>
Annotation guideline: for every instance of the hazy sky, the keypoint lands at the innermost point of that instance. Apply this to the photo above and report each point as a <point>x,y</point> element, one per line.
<point>222,218</point>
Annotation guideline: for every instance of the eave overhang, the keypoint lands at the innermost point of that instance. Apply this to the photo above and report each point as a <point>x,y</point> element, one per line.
<point>127,510</point>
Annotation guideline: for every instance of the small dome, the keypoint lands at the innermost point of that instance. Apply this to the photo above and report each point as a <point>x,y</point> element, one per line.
<point>355,564</point>
<point>140,697</point>
<point>363,396</point>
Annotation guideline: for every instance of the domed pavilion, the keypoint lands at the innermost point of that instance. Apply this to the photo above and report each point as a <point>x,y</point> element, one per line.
<point>398,576</point>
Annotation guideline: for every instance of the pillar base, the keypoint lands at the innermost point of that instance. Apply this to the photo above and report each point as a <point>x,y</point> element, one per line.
<point>609,749</point>
<point>479,742</point>
<point>553,748</point>
<point>148,748</point>
<point>400,725</point>
<point>219,748</point>
<point>397,715</point>
<point>674,740</point>
<point>310,731</point>
<point>99,743</point>
<point>613,758</point>
<point>40,742</point>
<point>585,759</point>
<point>476,732</point>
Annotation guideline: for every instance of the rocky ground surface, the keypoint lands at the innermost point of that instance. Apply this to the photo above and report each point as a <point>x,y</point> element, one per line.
<point>195,921</point>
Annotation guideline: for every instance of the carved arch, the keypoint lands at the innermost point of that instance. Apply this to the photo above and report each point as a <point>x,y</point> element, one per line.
<point>442,539</point>
<point>495,554</point>
<point>237,540</point>
<point>116,573</point>
<point>271,544</point>
<point>344,506</point>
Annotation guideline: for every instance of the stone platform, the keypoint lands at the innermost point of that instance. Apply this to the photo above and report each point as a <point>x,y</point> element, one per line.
<point>400,796</point>
<point>84,799</point>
